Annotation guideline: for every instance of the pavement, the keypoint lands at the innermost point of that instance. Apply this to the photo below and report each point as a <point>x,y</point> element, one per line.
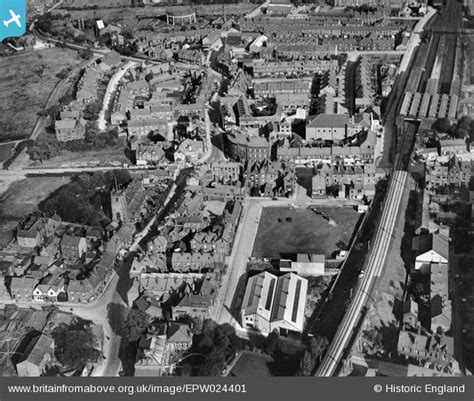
<point>97,312</point>
<point>209,147</point>
<point>243,246</point>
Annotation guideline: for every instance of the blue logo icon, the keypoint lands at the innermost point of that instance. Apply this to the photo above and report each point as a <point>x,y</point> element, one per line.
<point>12,18</point>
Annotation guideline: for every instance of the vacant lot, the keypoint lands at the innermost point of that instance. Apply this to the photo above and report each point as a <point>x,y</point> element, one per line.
<point>6,151</point>
<point>26,80</point>
<point>75,159</point>
<point>23,196</point>
<point>252,364</point>
<point>286,230</point>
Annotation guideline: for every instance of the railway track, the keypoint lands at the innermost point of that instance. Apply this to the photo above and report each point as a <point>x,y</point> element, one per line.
<point>429,64</point>
<point>447,70</point>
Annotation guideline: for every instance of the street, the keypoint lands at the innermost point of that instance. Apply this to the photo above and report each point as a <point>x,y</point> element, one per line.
<point>98,313</point>
<point>234,277</point>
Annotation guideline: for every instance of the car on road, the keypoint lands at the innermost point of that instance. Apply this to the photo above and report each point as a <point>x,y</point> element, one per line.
<point>361,274</point>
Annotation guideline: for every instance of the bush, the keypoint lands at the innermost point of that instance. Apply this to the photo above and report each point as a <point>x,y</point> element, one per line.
<point>92,110</point>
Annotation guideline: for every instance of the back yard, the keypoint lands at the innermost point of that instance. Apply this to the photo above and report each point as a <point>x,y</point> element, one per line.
<point>252,364</point>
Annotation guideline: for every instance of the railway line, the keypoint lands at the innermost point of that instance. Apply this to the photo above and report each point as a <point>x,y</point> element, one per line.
<point>445,32</point>
<point>444,35</point>
<point>364,288</point>
<point>429,63</point>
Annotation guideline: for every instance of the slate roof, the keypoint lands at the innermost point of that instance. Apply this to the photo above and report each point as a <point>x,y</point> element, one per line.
<point>37,348</point>
<point>330,121</point>
<point>179,333</point>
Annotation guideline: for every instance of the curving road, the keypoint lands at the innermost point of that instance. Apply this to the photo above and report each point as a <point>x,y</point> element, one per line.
<point>114,81</point>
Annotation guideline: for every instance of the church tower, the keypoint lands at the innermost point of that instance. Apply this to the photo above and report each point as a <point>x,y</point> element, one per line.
<point>118,202</point>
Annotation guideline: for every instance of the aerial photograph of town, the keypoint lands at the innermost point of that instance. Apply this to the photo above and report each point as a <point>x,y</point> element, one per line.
<point>236,188</point>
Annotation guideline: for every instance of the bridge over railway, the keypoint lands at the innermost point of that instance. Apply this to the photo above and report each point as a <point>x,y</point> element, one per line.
<point>444,38</point>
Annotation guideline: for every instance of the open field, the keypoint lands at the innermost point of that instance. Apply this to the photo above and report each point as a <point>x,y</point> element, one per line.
<point>101,3</point>
<point>27,79</point>
<point>23,196</point>
<point>6,151</point>
<point>252,364</point>
<point>304,232</point>
<point>129,16</point>
<point>74,159</point>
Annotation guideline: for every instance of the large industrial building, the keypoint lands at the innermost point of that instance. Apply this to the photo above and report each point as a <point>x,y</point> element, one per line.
<point>274,303</point>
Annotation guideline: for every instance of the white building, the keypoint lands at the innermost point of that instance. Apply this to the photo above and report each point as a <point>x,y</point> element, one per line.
<point>433,248</point>
<point>272,302</point>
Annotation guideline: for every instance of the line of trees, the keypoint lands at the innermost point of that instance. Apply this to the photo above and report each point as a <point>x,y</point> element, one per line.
<point>312,357</point>
<point>464,128</point>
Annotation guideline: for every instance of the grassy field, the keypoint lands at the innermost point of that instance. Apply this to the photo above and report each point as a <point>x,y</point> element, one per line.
<point>101,3</point>
<point>306,232</point>
<point>251,364</point>
<point>23,196</point>
<point>6,151</point>
<point>129,16</point>
<point>73,159</point>
<point>27,79</point>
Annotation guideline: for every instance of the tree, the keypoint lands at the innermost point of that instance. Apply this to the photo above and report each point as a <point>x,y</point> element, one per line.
<point>306,364</point>
<point>441,124</point>
<point>77,201</point>
<point>214,363</point>
<point>317,346</point>
<point>462,133</point>
<point>66,99</point>
<point>206,343</point>
<point>195,323</point>
<point>44,23</point>
<point>135,325</point>
<point>117,177</point>
<point>115,316</point>
<point>127,34</point>
<point>44,148</point>
<point>86,54</point>
<point>92,110</point>
<point>271,342</point>
<point>74,348</point>
<point>53,111</point>
<point>149,76</point>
